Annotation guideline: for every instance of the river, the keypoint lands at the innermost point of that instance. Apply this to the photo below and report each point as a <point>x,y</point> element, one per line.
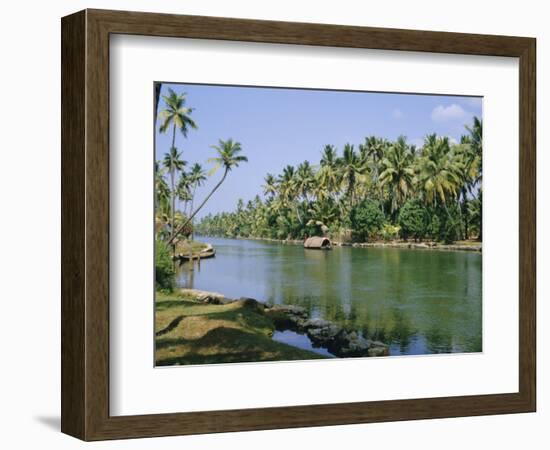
<point>417,301</point>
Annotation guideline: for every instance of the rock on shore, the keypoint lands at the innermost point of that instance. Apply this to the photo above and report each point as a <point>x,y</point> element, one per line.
<point>324,333</point>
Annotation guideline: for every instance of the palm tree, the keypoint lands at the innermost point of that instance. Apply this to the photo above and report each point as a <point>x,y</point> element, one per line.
<point>228,158</point>
<point>322,215</point>
<point>373,152</point>
<point>476,145</point>
<point>183,191</point>
<point>173,163</point>
<point>196,177</point>
<point>352,167</point>
<point>270,186</point>
<point>304,180</point>
<point>398,173</point>
<point>288,189</point>
<point>439,177</point>
<point>328,176</point>
<point>176,114</point>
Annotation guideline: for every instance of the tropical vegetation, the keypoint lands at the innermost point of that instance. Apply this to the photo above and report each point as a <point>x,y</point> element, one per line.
<point>380,189</point>
<point>176,187</point>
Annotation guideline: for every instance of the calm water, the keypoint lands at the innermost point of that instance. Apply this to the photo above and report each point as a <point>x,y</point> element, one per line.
<point>418,301</point>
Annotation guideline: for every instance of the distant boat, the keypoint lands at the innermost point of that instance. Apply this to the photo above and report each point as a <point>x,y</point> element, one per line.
<point>317,243</point>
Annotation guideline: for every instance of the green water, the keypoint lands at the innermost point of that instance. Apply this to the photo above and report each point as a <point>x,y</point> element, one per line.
<point>418,301</point>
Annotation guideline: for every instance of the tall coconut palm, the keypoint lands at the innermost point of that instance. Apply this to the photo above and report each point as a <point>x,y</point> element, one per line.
<point>328,176</point>
<point>173,163</point>
<point>398,173</point>
<point>289,190</point>
<point>439,177</point>
<point>352,168</point>
<point>228,158</point>
<point>196,177</point>
<point>270,186</point>
<point>372,151</point>
<point>183,190</point>
<point>176,115</point>
<point>304,180</point>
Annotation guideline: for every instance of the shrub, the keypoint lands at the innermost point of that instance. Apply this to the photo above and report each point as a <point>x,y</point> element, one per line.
<point>164,267</point>
<point>445,224</point>
<point>366,219</point>
<point>413,220</point>
<point>390,232</point>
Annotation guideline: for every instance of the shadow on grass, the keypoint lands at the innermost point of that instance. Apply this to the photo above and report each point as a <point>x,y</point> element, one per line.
<point>226,345</point>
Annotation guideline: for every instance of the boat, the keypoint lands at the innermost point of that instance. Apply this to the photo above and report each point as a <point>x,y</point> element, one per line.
<point>317,243</point>
<point>197,256</point>
<point>205,253</point>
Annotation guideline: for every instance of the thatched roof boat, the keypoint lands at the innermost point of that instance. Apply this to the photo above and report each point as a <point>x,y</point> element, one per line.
<point>318,243</point>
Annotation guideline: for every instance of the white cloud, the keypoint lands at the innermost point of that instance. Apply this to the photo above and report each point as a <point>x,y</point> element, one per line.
<point>449,113</point>
<point>397,113</point>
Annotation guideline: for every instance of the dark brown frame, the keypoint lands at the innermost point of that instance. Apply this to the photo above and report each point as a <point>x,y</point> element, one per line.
<point>85,224</point>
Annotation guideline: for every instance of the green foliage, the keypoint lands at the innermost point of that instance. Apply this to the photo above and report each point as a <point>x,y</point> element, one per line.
<point>413,220</point>
<point>385,189</point>
<point>390,232</point>
<point>444,225</point>
<point>366,219</point>
<point>164,267</point>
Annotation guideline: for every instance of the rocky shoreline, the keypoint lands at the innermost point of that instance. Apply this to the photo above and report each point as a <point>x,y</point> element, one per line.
<point>428,245</point>
<point>322,333</point>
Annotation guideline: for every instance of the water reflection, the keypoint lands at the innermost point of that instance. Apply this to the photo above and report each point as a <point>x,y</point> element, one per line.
<point>418,301</point>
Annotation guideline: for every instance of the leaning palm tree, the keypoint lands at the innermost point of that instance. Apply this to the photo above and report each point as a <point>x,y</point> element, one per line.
<point>228,158</point>
<point>173,163</point>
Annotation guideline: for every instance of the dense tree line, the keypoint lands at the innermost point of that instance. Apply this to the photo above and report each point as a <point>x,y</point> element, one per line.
<point>380,190</point>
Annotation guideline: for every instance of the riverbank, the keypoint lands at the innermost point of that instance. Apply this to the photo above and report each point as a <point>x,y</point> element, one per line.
<point>200,327</point>
<point>193,327</point>
<point>466,246</point>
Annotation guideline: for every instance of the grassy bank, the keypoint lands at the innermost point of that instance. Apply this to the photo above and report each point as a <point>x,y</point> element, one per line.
<point>191,332</point>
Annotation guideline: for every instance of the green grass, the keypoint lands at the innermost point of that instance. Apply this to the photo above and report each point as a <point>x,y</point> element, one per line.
<point>189,332</point>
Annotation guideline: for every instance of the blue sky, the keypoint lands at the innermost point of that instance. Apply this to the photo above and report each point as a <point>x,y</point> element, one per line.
<point>277,127</point>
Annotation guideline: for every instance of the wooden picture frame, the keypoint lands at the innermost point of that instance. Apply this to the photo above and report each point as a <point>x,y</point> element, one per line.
<point>85,224</point>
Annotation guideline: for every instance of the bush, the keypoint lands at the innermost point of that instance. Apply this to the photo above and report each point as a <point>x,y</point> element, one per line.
<point>390,232</point>
<point>450,226</point>
<point>413,220</point>
<point>444,225</point>
<point>164,267</point>
<point>366,220</point>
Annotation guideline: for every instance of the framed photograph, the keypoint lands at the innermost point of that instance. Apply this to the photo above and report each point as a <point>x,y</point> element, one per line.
<point>273,225</point>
